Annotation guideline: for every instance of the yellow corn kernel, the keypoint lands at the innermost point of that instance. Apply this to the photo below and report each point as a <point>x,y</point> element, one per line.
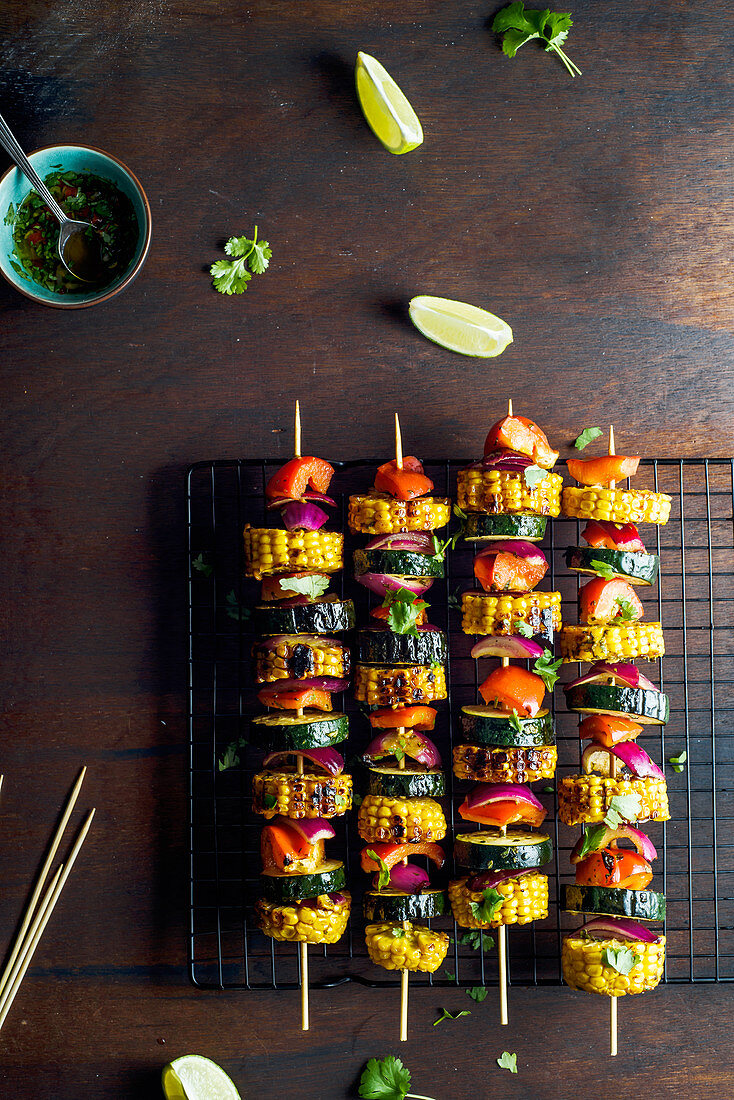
<point>270,550</point>
<point>585,799</point>
<point>324,921</point>
<point>612,642</point>
<point>400,820</point>
<point>300,796</point>
<point>617,505</point>
<point>406,946</point>
<point>524,899</point>
<point>379,514</point>
<point>483,613</point>
<point>294,659</point>
<point>498,491</point>
<point>402,686</point>
<point>498,764</point>
<point>583,968</point>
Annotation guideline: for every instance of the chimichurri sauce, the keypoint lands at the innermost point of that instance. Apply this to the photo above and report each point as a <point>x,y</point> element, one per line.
<point>85,197</point>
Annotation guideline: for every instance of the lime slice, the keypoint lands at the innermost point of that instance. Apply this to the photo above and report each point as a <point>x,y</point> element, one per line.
<point>460,327</point>
<point>389,115</point>
<point>193,1077</point>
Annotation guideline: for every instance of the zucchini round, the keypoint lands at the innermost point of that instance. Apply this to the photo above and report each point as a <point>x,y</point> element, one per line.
<point>279,886</point>
<point>327,616</point>
<point>378,646</point>
<point>395,906</point>
<point>397,563</point>
<point>478,527</point>
<point>408,782</point>
<point>610,901</point>
<point>311,730</point>
<point>517,850</point>
<point>642,704</point>
<point>637,568</point>
<point>484,726</point>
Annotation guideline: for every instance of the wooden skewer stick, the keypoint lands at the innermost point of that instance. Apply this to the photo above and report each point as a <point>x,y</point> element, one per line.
<point>611,451</point>
<point>613,1026</point>
<point>42,875</point>
<point>303,947</point>
<point>398,444</point>
<point>509,406</point>
<point>404,974</point>
<point>502,939</point>
<point>42,918</point>
<point>297,432</point>
<point>25,945</point>
<point>1,781</point>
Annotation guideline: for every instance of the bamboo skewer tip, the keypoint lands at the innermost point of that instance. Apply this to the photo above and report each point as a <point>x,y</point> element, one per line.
<point>398,444</point>
<point>613,1026</point>
<point>509,406</point>
<point>404,1005</point>
<point>297,431</point>
<point>611,451</point>
<point>502,951</point>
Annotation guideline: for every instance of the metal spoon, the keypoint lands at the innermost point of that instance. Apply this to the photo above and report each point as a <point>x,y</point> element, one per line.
<point>79,251</point>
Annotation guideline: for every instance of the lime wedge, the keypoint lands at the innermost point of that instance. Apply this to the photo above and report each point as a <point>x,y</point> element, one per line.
<point>389,115</point>
<point>460,327</point>
<point>193,1077</point>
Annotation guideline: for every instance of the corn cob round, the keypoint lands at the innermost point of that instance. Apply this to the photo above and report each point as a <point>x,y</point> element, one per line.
<point>585,799</point>
<point>300,796</point>
<point>400,819</point>
<point>499,764</point>
<point>323,922</point>
<point>402,686</point>
<point>486,614</point>
<point>379,514</point>
<point>293,659</point>
<point>583,968</point>
<point>617,505</point>
<point>271,550</point>
<point>612,642</point>
<point>498,491</point>
<point>524,899</point>
<point>406,947</point>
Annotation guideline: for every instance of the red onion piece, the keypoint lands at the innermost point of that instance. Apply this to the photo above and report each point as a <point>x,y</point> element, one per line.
<point>519,547</point>
<point>629,675</point>
<point>407,877</point>
<point>485,793</point>
<point>321,683</point>
<point>380,583</point>
<point>507,645</point>
<point>511,461</point>
<point>313,829</point>
<point>493,878</point>
<point>414,744</point>
<point>419,542</point>
<point>310,494</point>
<point>595,757</point>
<point>642,843</point>
<point>303,514</point>
<point>328,759</point>
<point>618,927</point>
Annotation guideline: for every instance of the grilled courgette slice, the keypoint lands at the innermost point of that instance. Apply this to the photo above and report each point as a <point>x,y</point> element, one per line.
<point>610,901</point>
<point>637,568</point>
<point>396,906</point>
<point>327,616</point>
<point>488,850</point>
<point>478,527</point>
<point>408,782</point>
<point>377,646</point>
<point>310,730</point>
<point>397,563</point>
<point>279,886</point>
<point>482,725</point>
<point>641,704</point>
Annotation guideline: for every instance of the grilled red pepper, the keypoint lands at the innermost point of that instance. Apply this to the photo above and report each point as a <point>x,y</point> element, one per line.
<point>405,483</point>
<point>613,866</point>
<point>517,433</point>
<point>602,534</point>
<point>602,470</point>
<point>601,601</point>
<point>503,571</point>
<point>292,480</point>
<point>514,688</point>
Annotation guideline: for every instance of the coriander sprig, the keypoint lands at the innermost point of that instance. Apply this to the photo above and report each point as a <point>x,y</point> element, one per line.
<point>250,257</point>
<point>387,1079</point>
<point>519,25</point>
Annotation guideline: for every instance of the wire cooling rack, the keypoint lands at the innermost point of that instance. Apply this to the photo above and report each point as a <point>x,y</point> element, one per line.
<point>694,600</point>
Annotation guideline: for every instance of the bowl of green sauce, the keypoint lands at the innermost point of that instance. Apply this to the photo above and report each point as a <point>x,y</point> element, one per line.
<point>89,185</point>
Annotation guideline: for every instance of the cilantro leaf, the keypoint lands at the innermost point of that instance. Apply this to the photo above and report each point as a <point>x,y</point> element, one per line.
<point>201,566</point>
<point>548,790</point>
<point>556,31</point>
<point>397,932</point>
<point>507,1061</point>
<point>446,1015</point>
<point>313,586</point>
<point>269,801</point>
<point>547,668</point>
<point>621,959</point>
<point>384,871</point>
<point>534,475</point>
<point>603,568</point>
<point>230,758</point>
<point>622,808</point>
<point>591,838</point>
<point>450,975</point>
<point>404,610</point>
<point>477,993</point>
<point>476,939</point>
<point>627,611</point>
<point>588,435</point>
<point>384,1079</point>
<point>459,512</point>
<point>454,600</point>
<point>519,25</point>
<point>523,628</point>
<point>250,256</point>
<point>485,909</point>
<point>515,721</point>
<point>234,611</point>
<point>230,277</point>
<point>440,548</point>
<point>678,761</point>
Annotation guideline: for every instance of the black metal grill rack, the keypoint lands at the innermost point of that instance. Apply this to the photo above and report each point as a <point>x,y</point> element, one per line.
<point>694,600</point>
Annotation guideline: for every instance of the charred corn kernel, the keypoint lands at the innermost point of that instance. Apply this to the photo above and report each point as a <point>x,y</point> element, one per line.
<point>402,686</point>
<point>583,966</point>
<point>322,921</point>
<point>524,899</point>
<point>300,796</point>
<point>612,642</point>
<point>400,819</point>
<point>497,491</point>
<point>406,946</point>
<point>617,505</point>
<point>379,514</point>
<point>490,764</point>
<point>585,799</point>
<point>299,660</point>
<point>271,550</point>
<point>486,614</point>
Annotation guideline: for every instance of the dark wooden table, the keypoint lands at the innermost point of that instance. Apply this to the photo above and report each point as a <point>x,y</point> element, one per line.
<point>594,215</point>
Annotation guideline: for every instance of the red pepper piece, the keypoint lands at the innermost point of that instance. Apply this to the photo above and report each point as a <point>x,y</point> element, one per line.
<point>292,480</point>
<point>294,700</point>
<point>602,470</point>
<point>608,729</point>
<point>599,601</point>
<point>505,572</point>
<point>390,854</point>
<point>403,484</point>
<point>517,433</point>
<point>604,535</point>
<point>505,812</point>
<point>411,718</point>
<point>514,688</point>
<point>612,866</point>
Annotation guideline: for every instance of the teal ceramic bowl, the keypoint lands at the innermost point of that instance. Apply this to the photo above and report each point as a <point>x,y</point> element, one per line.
<point>74,158</point>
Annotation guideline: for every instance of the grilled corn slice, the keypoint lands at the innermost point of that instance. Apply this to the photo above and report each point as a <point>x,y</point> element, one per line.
<point>617,505</point>
<point>583,968</point>
<point>319,920</point>
<point>612,642</point>
<point>524,899</point>
<point>297,660</point>
<point>495,491</point>
<point>271,550</point>
<point>585,799</point>
<point>379,514</point>
<point>300,796</point>
<point>490,764</point>
<point>400,819</point>
<point>402,686</point>
<point>485,614</point>
<point>406,947</point>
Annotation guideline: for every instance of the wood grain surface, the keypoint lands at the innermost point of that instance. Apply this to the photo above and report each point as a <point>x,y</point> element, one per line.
<point>594,215</point>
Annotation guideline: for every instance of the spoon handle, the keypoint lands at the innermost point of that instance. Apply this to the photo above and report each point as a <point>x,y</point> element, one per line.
<point>10,143</point>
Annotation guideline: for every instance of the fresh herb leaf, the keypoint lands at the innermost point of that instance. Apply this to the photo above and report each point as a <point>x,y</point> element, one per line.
<point>201,566</point>
<point>312,586</point>
<point>230,277</point>
<point>270,801</point>
<point>507,1061</point>
<point>623,808</point>
<point>678,761</point>
<point>404,610</point>
<point>384,871</point>
<point>515,721</point>
<point>548,790</point>
<point>477,993</point>
<point>519,26</point>
<point>454,600</point>
<point>250,256</point>
<point>523,628</point>
<point>485,909</point>
<point>603,568</point>
<point>591,839</point>
<point>397,932</point>
<point>230,758</point>
<point>534,475</point>
<point>384,1079</point>
<point>357,799</point>
<point>9,216</point>
<point>234,611</point>
<point>621,959</point>
<point>460,512</point>
<point>476,939</point>
<point>450,975</point>
<point>629,613</point>
<point>446,1015</point>
<point>588,435</point>
<point>547,668</point>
